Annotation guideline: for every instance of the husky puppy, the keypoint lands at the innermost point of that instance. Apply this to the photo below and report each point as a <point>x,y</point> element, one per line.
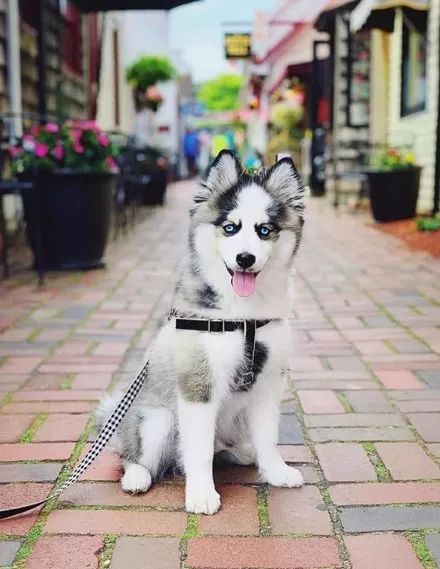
<point>244,232</point>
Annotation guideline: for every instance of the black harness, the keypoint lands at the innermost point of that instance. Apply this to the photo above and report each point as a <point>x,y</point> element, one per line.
<point>217,325</point>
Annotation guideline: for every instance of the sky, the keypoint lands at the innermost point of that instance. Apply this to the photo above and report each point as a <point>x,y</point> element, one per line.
<point>197,29</point>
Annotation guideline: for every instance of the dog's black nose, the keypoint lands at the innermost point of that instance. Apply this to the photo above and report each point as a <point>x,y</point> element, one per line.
<point>245,260</point>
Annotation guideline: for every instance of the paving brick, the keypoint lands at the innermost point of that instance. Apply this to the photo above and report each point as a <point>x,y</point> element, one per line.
<point>419,406</point>
<point>13,494</point>
<point>238,514</point>
<point>416,395</point>
<point>78,368</point>
<point>407,461</point>
<point>332,375</point>
<point>345,462</point>
<point>19,365</point>
<point>61,427</point>
<point>290,432</point>
<point>99,522</point>
<point>19,525</point>
<point>45,381</point>
<point>389,518</point>
<point>368,401</point>
<point>322,434</point>
<point>384,493</point>
<point>295,453</point>
<point>231,474</point>
<point>434,448</point>
<point>372,347</point>
<point>354,420</point>
<point>44,472</point>
<point>427,425</point>
<point>35,451</point>
<point>92,381</point>
<point>431,377</point>
<point>74,552</point>
<point>346,363</point>
<point>306,364</point>
<point>111,494</point>
<point>262,553</point>
<point>337,385</point>
<point>60,395</point>
<point>298,510</point>
<point>388,550</point>
<point>12,426</point>
<point>49,407</point>
<point>401,379</point>
<point>433,542</point>
<point>8,551</point>
<point>320,401</point>
<point>157,553</point>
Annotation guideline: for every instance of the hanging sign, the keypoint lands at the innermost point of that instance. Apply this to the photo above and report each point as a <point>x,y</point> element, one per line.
<point>238,46</point>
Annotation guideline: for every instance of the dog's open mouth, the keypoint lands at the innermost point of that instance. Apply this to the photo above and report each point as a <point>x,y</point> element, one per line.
<point>243,282</point>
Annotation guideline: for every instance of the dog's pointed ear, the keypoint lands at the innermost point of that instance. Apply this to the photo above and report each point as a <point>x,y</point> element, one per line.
<point>222,175</point>
<point>284,182</point>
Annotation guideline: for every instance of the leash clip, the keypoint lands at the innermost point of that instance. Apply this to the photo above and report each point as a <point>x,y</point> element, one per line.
<point>248,378</point>
<point>216,321</point>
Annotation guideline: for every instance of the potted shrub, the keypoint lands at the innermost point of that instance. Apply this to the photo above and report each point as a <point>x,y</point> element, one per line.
<point>143,74</point>
<point>394,180</point>
<point>73,167</point>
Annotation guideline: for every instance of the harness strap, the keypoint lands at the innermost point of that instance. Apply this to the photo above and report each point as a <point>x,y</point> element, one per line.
<point>97,447</point>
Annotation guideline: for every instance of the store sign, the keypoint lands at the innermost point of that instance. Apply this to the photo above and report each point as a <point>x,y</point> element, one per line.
<point>238,46</point>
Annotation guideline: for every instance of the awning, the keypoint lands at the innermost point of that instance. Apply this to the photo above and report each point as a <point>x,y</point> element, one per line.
<point>112,5</point>
<point>380,13</point>
<point>325,21</point>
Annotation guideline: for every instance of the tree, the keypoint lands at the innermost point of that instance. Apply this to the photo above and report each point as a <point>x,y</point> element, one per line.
<point>221,93</point>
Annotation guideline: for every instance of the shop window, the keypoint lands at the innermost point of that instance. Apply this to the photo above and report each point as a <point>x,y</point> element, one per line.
<point>414,84</point>
<point>72,37</point>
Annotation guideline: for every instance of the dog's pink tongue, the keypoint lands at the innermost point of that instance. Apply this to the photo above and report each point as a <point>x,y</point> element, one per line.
<point>243,283</point>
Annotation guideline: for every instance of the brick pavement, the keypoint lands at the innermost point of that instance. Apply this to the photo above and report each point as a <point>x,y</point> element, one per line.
<point>361,417</point>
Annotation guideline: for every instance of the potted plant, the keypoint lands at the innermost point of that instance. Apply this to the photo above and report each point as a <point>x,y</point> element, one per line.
<point>73,167</point>
<point>394,180</point>
<point>149,167</point>
<point>143,74</point>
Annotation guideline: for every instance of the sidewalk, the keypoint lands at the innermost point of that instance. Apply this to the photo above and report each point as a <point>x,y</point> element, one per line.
<point>362,417</point>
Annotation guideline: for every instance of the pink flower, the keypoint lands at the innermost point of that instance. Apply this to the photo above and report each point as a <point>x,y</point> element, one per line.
<point>15,151</point>
<point>102,139</point>
<point>52,127</point>
<point>78,147</point>
<point>58,152</point>
<point>87,125</point>
<point>111,164</point>
<point>76,134</point>
<point>35,129</point>
<point>41,150</point>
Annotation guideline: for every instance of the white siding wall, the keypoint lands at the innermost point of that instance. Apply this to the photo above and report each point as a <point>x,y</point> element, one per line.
<point>421,126</point>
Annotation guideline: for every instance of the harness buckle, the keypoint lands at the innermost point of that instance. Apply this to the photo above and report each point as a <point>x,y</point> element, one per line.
<point>216,321</point>
<point>248,377</point>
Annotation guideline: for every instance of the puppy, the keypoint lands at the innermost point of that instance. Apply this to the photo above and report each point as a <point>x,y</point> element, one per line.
<point>216,390</point>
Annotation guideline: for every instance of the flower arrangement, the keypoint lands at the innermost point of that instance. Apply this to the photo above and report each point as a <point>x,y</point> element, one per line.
<point>394,158</point>
<point>75,145</point>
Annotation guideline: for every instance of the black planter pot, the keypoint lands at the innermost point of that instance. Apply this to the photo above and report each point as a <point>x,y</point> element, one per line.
<point>75,211</point>
<point>394,194</point>
<point>153,191</point>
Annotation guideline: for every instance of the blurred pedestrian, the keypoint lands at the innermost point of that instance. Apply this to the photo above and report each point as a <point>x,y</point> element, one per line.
<point>191,149</point>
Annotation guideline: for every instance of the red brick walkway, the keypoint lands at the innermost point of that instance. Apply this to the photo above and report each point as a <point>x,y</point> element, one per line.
<point>362,417</point>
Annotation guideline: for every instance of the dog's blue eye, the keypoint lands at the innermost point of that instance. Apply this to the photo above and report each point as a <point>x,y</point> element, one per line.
<point>264,231</point>
<point>230,229</point>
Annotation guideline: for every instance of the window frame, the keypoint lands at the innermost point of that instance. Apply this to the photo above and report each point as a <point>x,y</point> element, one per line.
<point>405,109</point>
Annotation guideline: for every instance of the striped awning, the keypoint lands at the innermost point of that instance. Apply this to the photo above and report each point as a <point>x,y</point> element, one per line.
<point>383,12</point>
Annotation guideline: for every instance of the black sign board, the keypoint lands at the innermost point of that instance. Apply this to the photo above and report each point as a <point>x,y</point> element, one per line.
<point>238,46</point>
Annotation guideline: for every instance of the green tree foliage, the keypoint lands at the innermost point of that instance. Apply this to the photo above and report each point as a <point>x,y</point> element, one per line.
<point>221,93</point>
<point>148,70</point>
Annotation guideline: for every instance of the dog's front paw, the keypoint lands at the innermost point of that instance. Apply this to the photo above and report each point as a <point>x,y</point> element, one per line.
<point>136,479</point>
<point>202,500</point>
<point>283,476</point>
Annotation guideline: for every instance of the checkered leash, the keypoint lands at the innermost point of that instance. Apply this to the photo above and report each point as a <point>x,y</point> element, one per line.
<point>97,447</point>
